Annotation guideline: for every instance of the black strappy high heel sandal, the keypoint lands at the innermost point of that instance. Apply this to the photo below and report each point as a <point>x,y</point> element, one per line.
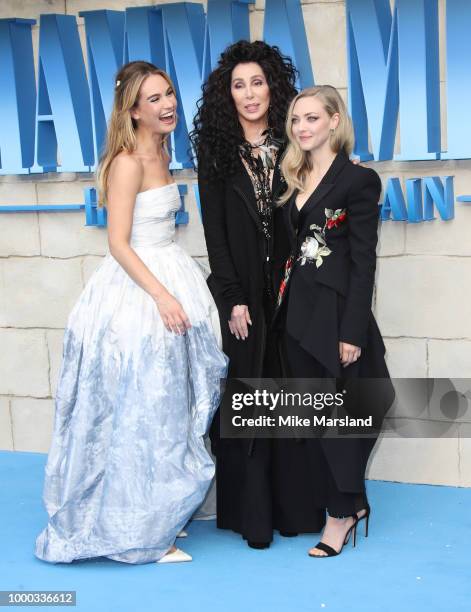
<point>331,552</point>
<point>366,518</point>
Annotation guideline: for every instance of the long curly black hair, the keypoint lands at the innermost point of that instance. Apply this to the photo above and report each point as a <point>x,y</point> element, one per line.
<point>217,132</point>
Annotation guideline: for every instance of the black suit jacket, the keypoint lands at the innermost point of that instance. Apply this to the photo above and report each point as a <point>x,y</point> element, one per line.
<point>349,269</point>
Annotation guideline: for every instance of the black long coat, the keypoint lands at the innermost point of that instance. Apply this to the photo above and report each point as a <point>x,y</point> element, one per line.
<point>237,253</point>
<point>328,301</point>
<point>261,484</point>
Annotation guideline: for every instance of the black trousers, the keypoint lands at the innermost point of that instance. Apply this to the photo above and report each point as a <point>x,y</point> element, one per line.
<point>301,364</point>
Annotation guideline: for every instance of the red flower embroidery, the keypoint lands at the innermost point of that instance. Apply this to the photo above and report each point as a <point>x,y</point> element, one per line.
<point>284,282</point>
<point>335,222</point>
<point>335,218</point>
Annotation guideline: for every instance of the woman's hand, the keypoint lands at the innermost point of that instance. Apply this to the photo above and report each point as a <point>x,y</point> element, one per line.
<point>172,313</point>
<point>240,318</point>
<point>349,353</point>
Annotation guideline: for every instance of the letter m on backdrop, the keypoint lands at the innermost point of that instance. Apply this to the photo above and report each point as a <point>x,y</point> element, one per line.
<point>394,70</point>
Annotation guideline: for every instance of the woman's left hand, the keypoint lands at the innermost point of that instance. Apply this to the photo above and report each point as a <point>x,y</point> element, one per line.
<point>349,353</point>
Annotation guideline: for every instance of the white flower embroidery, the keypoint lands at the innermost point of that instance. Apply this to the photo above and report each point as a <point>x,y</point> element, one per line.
<point>314,249</point>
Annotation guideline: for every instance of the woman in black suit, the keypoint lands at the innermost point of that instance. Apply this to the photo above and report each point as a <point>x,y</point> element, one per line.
<point>331,212</point>
<point>238,138</point>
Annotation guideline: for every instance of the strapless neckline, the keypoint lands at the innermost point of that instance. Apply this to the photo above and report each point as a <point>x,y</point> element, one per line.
<point>155,188</point>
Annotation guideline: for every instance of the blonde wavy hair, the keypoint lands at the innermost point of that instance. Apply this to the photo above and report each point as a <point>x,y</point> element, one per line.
<point>121,135</point>
<point>296,163</point>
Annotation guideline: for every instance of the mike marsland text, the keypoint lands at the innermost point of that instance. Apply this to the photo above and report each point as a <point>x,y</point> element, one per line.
<point>296,421</point>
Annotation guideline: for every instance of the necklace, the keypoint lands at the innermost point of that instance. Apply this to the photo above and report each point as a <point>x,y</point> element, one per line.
<point>260,167</point>
<point>268,147</point>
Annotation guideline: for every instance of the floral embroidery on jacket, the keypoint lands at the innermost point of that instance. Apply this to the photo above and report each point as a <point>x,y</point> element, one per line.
<point>284,282</point>
<point>335,217</point>
<point>314,248</point>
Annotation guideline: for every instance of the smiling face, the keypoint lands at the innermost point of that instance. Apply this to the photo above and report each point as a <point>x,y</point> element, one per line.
<point>250,92</point>
<point>156,106</point>
<point>311,124</point>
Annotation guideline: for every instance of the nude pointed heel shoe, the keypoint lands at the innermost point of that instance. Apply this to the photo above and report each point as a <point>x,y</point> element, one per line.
<point>177,556</point>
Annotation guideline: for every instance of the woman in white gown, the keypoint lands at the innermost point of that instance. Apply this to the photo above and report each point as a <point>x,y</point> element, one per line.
<point>141,370</point>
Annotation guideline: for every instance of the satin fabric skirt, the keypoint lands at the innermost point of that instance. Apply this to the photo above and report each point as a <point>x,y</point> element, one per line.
<point>128,466</point>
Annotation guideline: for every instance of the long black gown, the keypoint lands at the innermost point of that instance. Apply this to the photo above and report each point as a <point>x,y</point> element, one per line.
<point>261,484</point>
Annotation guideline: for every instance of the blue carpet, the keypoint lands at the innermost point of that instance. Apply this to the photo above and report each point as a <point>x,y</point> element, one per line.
<point>417,557</point>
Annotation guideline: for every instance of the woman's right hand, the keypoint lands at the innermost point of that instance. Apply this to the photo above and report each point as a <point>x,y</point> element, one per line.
<point>172,313</point>
<point>240,318</point>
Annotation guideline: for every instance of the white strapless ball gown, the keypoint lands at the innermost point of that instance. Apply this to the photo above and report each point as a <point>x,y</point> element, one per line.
<point>128,466</point>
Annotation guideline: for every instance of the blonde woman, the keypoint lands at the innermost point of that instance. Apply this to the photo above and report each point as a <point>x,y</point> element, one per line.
<point>331,212</point>
<point>142,363</point>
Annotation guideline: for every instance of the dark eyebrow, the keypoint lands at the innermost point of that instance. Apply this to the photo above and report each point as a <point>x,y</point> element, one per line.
<point>257,76</point>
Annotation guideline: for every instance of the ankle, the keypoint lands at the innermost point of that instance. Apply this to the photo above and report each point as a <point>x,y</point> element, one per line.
<point>343,520</point>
